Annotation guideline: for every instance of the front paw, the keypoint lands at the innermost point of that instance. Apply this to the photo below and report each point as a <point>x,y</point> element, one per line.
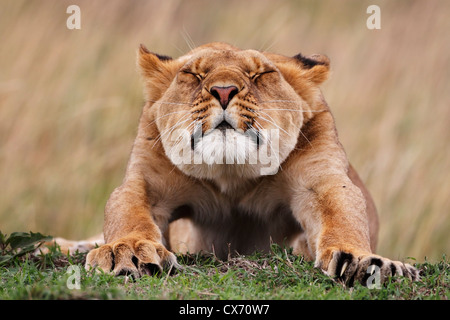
<point>132,256</point>
<point>369,269</point>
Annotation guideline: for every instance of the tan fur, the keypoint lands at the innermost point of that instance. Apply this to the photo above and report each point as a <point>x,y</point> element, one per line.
<point>315,202</point>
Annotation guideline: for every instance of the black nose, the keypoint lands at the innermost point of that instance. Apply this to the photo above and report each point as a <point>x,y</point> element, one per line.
<point>224,94</point>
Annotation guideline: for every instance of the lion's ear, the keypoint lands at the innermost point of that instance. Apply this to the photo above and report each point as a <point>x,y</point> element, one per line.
<point>150,62</point>
<point>316,67</point>
<point>157,70</point>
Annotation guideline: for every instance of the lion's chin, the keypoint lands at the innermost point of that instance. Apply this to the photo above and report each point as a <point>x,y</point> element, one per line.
<point>225,154</point>
<point>226,147</point>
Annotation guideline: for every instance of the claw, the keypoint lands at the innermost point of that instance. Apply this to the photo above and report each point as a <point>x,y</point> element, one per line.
<point>371,269</point>
<point>344,266</point>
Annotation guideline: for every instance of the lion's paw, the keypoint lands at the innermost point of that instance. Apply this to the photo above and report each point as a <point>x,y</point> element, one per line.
<point>133,257</point>
<point>370,270</point>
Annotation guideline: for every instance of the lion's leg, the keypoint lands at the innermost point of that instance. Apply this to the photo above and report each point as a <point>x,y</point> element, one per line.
<point>133,239</point>
<point>185,237</point>
<point>72,246</point>
<point>332,211</point>
<point>371,210</point>
<point>299,245</point>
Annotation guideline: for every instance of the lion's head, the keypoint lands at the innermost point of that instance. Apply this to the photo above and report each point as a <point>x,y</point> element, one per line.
<point>222,111</point>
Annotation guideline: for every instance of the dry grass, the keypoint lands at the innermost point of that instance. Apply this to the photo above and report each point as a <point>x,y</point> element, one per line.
<point>70,101</point>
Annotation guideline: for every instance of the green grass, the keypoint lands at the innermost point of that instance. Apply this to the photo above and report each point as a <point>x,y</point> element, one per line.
<point>279,275</point>
<point>70,101</point>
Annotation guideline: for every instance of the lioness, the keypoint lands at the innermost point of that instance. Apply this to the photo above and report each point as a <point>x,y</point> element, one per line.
<point>237,149</point>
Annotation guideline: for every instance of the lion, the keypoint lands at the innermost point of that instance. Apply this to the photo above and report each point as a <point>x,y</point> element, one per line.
<point>237,150</point>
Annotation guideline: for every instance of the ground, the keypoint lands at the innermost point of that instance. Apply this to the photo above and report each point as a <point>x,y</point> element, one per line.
<point>279,275</point>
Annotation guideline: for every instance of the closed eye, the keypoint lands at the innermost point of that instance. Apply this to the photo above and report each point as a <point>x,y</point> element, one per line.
<point>197,75</point>
<point>257,75</point>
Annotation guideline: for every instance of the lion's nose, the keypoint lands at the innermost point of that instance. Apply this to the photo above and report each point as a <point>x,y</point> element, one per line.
<point>224,94</point>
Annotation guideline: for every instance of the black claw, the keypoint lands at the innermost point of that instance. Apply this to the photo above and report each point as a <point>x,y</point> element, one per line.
<point>376,261</point>
<point>171,269</point>
<point>113,259</point>
<point>135,261</point>
<point>404,270</point>
<point>351,280</point>
<point>364,278</point>
<point>128,272</point>
<point>413,273</point>
<point>393,269</point>
<point>341,259</point>
<point>150,269</point>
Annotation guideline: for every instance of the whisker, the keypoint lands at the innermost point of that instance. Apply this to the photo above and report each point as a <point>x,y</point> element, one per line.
<point>273,122</point>
<point>178,141</point>
<point>166,132</point>
<point>165,115</point>
<point>275,101</point>
<point>269,46</point>
<point>258,124</point>
<point>191,125</point>
<point>306,139</point>
<point>271,148</point>
<point>177,124</point>
<point>300,130</point>
<point>300,104</point>
<point>171,102</point>
<point>188,39</point>
<point>169,130</point>
<point>295,110</point>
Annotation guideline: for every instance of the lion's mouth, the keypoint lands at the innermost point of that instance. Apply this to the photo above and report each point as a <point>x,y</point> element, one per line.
<point>224,125</point>
<point>198,133</point>
<point>251,133</point>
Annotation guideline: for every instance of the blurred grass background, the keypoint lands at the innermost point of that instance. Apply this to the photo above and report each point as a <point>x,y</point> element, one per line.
<point>70,101</point>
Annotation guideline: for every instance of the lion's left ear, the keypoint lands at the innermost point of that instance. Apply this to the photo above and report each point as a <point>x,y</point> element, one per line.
<point>316,67</point>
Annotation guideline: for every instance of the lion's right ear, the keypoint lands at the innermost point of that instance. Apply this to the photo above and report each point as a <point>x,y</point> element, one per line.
<point>157,70</point>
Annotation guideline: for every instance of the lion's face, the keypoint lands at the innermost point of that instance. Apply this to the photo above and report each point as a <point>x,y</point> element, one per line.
<point>224,111</point>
